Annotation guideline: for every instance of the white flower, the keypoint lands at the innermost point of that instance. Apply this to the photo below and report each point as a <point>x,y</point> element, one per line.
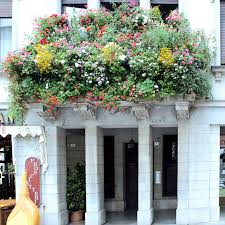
<point>122,57</point>
<point>156,86</point>
<point>62,61</point>
<point>46,86</point>
<point>76,65</point>
<point>145,19</point>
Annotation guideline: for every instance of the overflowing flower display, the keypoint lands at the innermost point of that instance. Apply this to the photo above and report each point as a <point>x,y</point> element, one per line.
<point>127,54</point>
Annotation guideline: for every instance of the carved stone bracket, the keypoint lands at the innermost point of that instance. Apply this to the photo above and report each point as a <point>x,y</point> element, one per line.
<point>182,109</point>
<point>140,111</point>
<point>218,71</point>
<point>47,114</point>
<point>86,110</point>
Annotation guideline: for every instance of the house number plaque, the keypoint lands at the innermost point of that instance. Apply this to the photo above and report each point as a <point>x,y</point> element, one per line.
<point>33,167</point>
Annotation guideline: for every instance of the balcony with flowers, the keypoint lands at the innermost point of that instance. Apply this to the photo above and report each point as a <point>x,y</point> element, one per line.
<point>109,57</point>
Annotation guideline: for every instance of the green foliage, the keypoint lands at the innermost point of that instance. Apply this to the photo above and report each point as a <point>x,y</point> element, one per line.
<point>76,189</point>
<point>108,57</point>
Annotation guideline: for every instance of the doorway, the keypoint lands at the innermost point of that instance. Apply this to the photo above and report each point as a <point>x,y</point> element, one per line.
<point>170,165</point>
<point>131,174</point>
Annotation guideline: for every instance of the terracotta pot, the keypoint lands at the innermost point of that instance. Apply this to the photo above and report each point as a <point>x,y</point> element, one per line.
<point>77,216</point>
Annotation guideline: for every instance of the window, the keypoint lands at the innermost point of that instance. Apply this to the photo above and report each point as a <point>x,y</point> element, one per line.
<point>5,37</point>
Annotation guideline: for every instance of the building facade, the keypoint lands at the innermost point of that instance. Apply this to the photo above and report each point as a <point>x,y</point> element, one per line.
<point>155,156</point>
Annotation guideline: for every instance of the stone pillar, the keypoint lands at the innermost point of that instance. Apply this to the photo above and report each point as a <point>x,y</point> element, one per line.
<point>210,9</point>
<point>198,173</point>
<point>145,175</point>
<point>55,178</point>
<point>94,161</point>
<point>94,4</point>
<point>145,4</point>
<point>23,14</point>
<point>214,173</point>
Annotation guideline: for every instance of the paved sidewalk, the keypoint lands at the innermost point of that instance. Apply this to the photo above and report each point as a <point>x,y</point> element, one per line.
<point>162,217</point>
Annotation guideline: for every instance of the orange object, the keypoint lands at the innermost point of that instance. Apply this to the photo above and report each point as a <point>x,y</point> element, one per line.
<point>6,207</point>
<point>25,211</point>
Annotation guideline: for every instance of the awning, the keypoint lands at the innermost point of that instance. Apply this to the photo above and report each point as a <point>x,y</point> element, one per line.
<point>32,131</point>
<point>23,131</point>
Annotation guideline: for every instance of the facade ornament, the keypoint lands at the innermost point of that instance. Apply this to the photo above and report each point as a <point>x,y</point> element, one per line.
<point>182,109</point>
<point>49,113</point>
<point>140,111</point>
<point>218,73</point>
<point>86,110</point>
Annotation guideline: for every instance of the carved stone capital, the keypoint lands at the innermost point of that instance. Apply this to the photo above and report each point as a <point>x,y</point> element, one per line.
<point>182,109</point>
<point>86,110</point>
<point>140,111</point>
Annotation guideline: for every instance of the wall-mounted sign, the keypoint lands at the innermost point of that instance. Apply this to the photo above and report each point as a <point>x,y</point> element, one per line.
<point>33,168</point>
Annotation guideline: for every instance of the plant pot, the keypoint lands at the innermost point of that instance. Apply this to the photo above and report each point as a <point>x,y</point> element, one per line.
<point>77,216</point>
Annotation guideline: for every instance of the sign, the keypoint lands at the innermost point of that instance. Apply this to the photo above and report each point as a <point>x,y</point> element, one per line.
<point>4,142</point>
<point>33,168</point>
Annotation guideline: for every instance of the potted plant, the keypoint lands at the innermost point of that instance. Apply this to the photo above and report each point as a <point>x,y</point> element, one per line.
<point>76,195</point>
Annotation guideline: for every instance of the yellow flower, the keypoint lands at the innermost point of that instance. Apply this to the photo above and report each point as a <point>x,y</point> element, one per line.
<point>166,57</point>
<point>110,51</point>
<point>43,58</point>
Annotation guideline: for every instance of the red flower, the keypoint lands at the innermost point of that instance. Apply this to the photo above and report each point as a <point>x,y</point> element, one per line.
<point>88,29</point>
<point>134,44</point>
<point>43,41</point>
<point>54,15</point>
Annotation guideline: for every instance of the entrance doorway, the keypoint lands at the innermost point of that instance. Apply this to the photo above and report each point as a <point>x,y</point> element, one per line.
<point>131,174</point>
<point>170,165</point>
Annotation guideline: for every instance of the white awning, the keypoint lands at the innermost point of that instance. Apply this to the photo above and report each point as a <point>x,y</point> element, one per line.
<point>23,131</point>
<point>33,131</point>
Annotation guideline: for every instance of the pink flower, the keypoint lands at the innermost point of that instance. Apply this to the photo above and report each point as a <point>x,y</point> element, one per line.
<point>134,44</point>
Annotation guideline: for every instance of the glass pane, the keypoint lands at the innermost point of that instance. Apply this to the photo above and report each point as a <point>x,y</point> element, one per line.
<point>2,156</point>
<point>5,37</point>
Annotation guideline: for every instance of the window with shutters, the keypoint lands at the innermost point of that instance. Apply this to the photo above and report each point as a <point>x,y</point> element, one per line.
<point>5,37</point>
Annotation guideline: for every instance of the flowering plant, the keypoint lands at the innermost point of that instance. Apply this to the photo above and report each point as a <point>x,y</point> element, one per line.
<point>107,57</point>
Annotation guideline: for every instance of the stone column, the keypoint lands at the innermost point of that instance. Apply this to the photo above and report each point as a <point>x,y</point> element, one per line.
<point>94,4</point>
<point>210,9</point>
<point>23,14</point>
<point>54,192</point>
<point>214,173</point>
<point>145,175</point>
<point>145,4</point>
<point>198,173</point>
<point>94,160</point>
